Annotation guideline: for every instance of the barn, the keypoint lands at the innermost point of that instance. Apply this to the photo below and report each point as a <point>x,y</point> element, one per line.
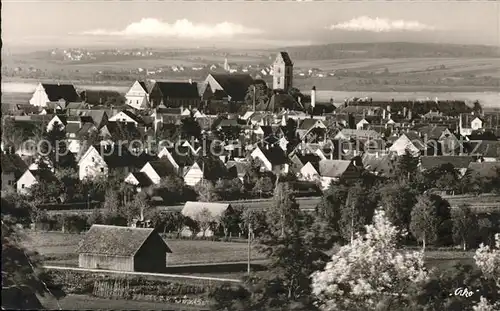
<point>123,248</point>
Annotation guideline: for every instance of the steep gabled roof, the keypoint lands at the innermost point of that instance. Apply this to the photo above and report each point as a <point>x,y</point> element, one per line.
<point>333,168</point>
<point>279,102</point>
<point>234,85</point>
<point>275,155</point>
<point>142,179</point>
<point>286,58</point>
<point>115,240</point>
<point>56,92</point>
<point>12,163</point>
<point>162,168</point>
<point>178,89</point>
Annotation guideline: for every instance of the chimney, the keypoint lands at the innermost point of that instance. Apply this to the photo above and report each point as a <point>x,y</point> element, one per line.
<point>409,114</point>
<point>383,114</point>
<point>388,108</point>
<point>190,81</point>
<point>404,111</point>
<point>331,154</point>
<point>313,97</point>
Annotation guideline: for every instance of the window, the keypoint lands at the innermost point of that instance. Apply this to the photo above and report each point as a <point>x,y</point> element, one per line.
<point>102,169</point>
<point>22,186</point>
<point>278,70</point>
<point>137,102</point>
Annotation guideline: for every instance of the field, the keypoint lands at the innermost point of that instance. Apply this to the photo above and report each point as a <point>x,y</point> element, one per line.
<point>81,302</point>
<point>59,249</point>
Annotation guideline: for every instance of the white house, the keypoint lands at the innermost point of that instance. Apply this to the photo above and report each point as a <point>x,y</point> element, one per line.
<point>308,172</point>
<point>193,175</point>
<point>12,168</point>
<point>137,96</point>
<point>92,165</point>
<point>138,179</point>
<point>32,177</point>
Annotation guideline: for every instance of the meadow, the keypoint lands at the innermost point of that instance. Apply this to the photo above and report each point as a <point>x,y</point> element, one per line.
<point>59,249</point>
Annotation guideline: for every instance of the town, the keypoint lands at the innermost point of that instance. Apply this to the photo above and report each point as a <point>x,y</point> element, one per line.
<point>232,193</point>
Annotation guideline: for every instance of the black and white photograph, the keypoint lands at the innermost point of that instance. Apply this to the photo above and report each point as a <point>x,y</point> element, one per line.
<point>201,155</point>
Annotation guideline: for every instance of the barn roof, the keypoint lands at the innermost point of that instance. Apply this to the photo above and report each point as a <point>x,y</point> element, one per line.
<point>115,240</point>
<point>56,92</point>
<point>178,89</point>
<point>234,85</point>
<point>192,209</point>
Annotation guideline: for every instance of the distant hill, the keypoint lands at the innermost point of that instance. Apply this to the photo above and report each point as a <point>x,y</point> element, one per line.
<point>390,50</point>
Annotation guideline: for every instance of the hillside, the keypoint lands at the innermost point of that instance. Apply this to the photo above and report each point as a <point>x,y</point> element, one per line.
<point>390,50</point>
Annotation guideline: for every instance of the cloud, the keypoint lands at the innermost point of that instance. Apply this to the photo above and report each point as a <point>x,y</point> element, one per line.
<point>180,29</point>
<point>365,23</point>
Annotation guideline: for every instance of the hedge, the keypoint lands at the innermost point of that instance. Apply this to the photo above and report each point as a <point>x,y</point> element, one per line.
<point>129,287</point>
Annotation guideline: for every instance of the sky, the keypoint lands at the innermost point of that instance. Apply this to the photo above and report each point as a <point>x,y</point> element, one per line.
<point>236,23</point>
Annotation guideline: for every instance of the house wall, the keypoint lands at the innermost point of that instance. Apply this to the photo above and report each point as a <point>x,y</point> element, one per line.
<point>39,97</point>
<point>308,172</point>
<point>92,165</point>
<point>148,170</point>
<point>257,154</point>
<point>122,117</point>
<point>402,144</point>
<point>25,182</point>
<point>8,181</point>
<point>476,124</point>
<point>94,261</point>
<point>74,146</point>
<point>137,97</point>
<point>152,256</point>
<point>193,176</point>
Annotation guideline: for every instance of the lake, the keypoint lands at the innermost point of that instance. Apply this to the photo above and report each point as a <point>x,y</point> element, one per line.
<point>487,99</point>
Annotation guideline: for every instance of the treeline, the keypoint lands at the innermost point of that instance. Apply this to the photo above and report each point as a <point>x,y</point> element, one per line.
<point>390,50</point>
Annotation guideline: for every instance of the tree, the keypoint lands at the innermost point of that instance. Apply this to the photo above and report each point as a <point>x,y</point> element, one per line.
<point>205,219</point>
<point>206,191</point>
<point>357,211</point>
<point>488,260</point>
<point>190,128</point>
<point>21,274</point>
<point>406,166</point>
<point>398,200</point>
<point>230,220</point>
<point>444,177</point>
<point>368,271</point>
<point>424,220</point>
<point>55,149</point>
<point>464,226</point>
<point>262,94</point>
<point>263,186</point>
<point>295,247</point>
<point>477,108</point>
<point>111,201</point>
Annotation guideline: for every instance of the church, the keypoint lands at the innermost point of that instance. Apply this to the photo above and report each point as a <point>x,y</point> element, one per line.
<point>283,72</point>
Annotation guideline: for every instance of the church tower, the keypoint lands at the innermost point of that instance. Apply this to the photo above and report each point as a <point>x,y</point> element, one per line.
<point>283,72</point>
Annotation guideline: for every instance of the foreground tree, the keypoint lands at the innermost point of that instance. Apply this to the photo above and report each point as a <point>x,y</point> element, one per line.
<point>369,270</point>
<point>424,221</point>
<point>398,200</point>
<point>294,244</point>
<point>464,226</point>
<point>21,275</point>
<point>488,260</point>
